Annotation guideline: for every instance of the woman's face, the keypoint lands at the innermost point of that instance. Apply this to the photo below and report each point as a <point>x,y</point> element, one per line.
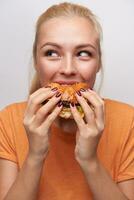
<point>67,51</point>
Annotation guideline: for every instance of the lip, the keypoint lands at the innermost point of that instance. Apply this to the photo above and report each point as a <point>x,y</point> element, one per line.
<point>66,82</point>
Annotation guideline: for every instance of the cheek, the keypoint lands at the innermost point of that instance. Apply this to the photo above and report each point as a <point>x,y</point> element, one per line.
<point>46,71</point>
<point>88,72</point>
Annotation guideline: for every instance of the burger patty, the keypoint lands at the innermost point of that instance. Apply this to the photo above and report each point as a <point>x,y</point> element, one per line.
<point>65,103</point>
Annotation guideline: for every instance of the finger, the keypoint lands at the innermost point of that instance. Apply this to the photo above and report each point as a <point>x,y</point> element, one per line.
<point>88,112</point>
<point>78,119</point>
<point>51,117</point>
<point>96,95</point>
<point>96,102</point>
<point>37,92</point>
<point>98,105</point>
<point>43,112</point>
<point>36,100</point>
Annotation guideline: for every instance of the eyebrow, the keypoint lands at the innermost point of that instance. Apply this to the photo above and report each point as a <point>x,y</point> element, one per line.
<point>77,47</point>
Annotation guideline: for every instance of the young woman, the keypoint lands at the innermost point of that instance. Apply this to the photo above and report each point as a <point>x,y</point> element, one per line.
<point>46,157</point>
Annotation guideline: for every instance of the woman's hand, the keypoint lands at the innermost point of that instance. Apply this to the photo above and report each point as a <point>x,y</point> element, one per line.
<point>90,128</point>
<point>38,119</point>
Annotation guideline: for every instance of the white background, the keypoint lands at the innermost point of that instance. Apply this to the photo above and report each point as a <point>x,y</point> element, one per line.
<point>17,24</point>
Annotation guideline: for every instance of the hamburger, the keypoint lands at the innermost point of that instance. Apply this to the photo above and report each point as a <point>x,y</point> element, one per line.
<point>68,96</point>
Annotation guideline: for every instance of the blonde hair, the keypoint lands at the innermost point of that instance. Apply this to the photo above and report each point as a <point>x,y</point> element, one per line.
<point>65,9</point>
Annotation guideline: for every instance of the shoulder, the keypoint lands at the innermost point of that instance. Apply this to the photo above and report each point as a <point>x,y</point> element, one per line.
<point>13,110</point>
<point>11,119</point>
<point>16,105</point>
<point>117,108</point>
<point>13,138</point>
<point>118,104</point>
<point>119,115</point>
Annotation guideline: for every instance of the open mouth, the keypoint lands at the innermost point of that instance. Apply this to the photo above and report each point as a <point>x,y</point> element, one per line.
<point>67,104</point>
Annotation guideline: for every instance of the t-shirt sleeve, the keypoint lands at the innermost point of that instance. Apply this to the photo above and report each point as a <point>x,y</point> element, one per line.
<point>126,168</point>
<point>7,145</point>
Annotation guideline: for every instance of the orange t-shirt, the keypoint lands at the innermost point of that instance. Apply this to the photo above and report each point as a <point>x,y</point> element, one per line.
<point>62,176</point>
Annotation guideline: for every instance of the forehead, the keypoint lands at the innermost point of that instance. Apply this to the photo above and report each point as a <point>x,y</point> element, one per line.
<point>61,29</point>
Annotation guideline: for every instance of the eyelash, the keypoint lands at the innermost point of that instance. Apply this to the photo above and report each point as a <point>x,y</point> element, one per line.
<point>48,52</point>
<point>87,52</point>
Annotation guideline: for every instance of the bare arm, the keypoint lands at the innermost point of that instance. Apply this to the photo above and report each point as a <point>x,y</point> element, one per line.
<point>8,173</point>
<point>21,185</point>
<point>127,187</point>
<point>24,185</point>
<point>87,139</point>
<point>103,187</point>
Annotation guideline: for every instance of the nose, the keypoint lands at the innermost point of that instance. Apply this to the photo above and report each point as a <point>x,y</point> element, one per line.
<point>67,66</point>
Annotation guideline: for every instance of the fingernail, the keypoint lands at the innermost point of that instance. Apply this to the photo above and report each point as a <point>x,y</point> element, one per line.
<point>58,94</point>
<point>82,90</point>
<point>72,104</point>
<point>54,89</point>
<point>90,89</point>
<point>78,92</point>
<point>59,103</point>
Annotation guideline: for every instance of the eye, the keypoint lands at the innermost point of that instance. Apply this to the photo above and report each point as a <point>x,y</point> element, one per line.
<point>84,53</point>
<point>51,53</point>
